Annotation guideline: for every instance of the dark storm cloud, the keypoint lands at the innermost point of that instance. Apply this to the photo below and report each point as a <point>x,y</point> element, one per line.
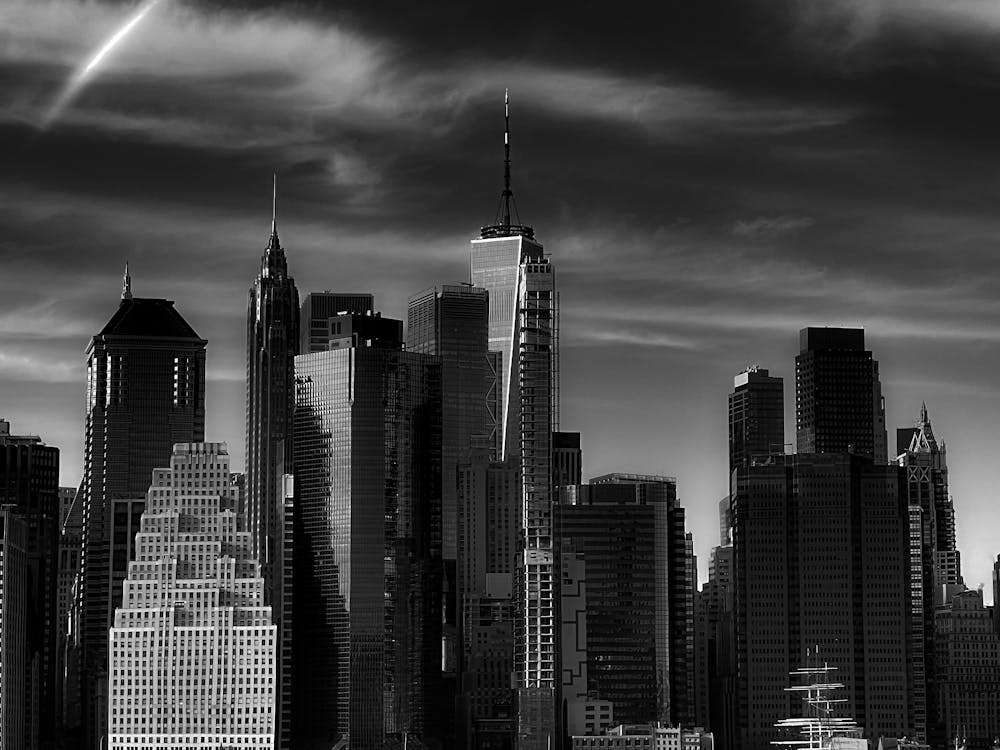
<point>708,176</point>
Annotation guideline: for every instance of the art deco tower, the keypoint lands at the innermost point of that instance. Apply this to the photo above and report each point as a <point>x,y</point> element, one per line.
<point>145,392</point>
<point>510,264</point>
<point>272,342</point>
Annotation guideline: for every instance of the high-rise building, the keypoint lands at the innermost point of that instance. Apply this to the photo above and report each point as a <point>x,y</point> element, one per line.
<point>967,664</point>
<point>368,544</point>
<point>821,546</point>
<point>272,343</point>
<point>318,308</point>
<point>934,562</point>
<point>29,482</point>
<point>14,605</point>
<point>67,663</point>
<point>715,674</point>
<point>756,416</point>
<point>193,651</point>
<point>838,395</point>
<point>630,530</point>
<point>145,392</point>
<point>567,460</point>
<point>451,324</point>
<point>488,532</point>
<point>511,265</point>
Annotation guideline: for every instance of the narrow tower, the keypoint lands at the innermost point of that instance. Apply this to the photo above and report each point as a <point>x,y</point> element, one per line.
<point>272,341</point>
<point>510,264</point>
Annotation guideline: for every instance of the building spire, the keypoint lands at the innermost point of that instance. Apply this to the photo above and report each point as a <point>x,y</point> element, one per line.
<point>923,412</point>
<point>126,284</point>
<point>273,244</point>
<point>506,216</point>
<point>507,193</point>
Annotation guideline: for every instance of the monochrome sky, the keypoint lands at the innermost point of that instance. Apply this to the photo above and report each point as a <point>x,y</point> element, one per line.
<point>708,177</point>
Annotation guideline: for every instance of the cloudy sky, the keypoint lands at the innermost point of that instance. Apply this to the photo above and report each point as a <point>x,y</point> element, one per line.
<point>709,177</point>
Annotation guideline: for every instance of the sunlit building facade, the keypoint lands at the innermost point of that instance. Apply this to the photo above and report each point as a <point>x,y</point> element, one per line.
<point>193,651</point>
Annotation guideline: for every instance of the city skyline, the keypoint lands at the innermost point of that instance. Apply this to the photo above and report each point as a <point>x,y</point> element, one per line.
<point>655,181</point>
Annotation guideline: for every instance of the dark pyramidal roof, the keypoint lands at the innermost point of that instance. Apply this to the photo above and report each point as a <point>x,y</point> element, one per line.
<point>148,317</point>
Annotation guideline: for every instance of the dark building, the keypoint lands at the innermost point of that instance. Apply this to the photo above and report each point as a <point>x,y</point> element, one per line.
<point>838,395</point>
<point>487,540</point>
<point>756,417</point>
<point>272,343</point>
<point>145,392</point>
<point>67,663</point>
<point>934,563</point>
<point>29,485</point>
<point>317,310</point>
<point>821,545</point>
<point>716,646</point>
<point>967,678</point>
<point>451,324</point>
<point>567,460</point>
<point>367,619</point>
<point>16,728</point>
<point>639,564</point>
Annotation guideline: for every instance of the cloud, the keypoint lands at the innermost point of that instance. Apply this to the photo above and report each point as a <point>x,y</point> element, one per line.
<point>764,227</point>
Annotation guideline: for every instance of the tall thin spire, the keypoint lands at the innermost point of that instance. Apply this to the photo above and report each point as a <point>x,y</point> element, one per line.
<point>923,412</point>
<point>507,193</point>
<point>126,284</point>
<point>274,212</point>
<point>506,215</point>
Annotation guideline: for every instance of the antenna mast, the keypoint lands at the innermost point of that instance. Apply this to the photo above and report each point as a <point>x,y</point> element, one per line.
<point>507,193</point>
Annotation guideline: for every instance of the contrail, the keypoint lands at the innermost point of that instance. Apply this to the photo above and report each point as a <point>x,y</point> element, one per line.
<point>82,74</point>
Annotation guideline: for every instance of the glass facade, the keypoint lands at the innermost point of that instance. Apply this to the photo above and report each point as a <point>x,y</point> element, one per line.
<point>145,392</point>
<point>367,619</point>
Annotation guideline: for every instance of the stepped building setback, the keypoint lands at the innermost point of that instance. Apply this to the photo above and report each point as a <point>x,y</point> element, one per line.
<point>193,651</point>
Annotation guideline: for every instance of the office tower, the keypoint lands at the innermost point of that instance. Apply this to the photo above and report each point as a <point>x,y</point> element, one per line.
<point>838,396</point>
<point>145,392</point>
<point>996,595</point>
<point>193,649</point>
<point>488,499</point>
<point>317,310</point>
<point>368,542</point>
<point>567,460</point>
<point>66,497</point>
<point>29,483</point>
<point>716,671</point>
<point>821,546</point>
<point>272,343</point>
<point>451,324</point>
<point>510,264</point>
<point>934,561</point>
<point>967,660</point>
<point>630,530</point>
<point>756,416</point>
<point>67,665</point>
<point>14,605</point>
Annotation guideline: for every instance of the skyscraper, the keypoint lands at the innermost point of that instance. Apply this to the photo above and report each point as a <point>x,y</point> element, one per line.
<point>487,540</point>
<point>145,392</point>
<point>368,543</point>
<point>317,310</point>
<point>821,545</point>
<point>29,482</point>
<point>451,324</point>
<point>630,530</point>
<point>511,265</point>
<point>14,605</point>
<point>935,571</point>
<point>193,649</point>
<point>272,343</point>
<point>756,416</point>
<point>838,396</point>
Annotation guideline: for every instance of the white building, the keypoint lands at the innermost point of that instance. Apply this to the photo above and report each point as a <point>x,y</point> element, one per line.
<point>655,736</point>
<point>192,652</point>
